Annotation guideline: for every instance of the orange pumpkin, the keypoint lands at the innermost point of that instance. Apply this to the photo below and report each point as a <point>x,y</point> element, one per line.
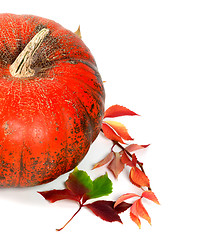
<point>51,100</point>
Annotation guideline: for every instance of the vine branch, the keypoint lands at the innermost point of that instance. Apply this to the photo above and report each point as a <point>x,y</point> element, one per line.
<point>115,143</point>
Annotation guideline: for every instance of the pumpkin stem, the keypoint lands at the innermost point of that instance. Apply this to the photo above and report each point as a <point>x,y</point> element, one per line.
<point>21,66</point>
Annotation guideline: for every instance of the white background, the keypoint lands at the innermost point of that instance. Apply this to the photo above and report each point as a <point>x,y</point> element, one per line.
<point>157,59</point>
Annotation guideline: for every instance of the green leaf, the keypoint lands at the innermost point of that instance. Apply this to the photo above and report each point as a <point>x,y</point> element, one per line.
<point>83,178</point>
<point>79,183</point>
<point>102,186</point>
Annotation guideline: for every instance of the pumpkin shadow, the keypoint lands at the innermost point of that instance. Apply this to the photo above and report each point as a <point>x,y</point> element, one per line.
<point>29,195</point>
<point>25,196</point>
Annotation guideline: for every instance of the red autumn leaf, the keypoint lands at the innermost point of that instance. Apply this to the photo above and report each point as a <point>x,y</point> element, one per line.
<point>79,183</point>
<point>126,160</point>
<point>117,111</point>
<point>104,210</point>
<point>142,211</point>
<point>120,129</point>
<point>104,161</point>
<point>56,195</point>
<point>135,219</point>
<point>137,210</point>
<point>110,133</point>
<point>134,159</point>
<point>123,206</point>
<point>134,147</point>
<point>138,178</point>
<point>151,196</point>
<point>125,197</point>
<point>116,166</point>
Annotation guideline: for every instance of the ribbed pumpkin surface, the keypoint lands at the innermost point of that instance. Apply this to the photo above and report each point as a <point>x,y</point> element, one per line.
<point>48,120</point>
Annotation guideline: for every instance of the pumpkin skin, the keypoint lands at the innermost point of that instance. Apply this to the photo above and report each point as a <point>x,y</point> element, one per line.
<point>47,121</point>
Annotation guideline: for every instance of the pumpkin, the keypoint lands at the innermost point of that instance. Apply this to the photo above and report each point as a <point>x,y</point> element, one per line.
<point>51,100</point>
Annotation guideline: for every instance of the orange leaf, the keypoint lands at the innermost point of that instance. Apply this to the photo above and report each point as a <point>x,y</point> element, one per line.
<point>135,219</point>
<point>125,159</point>
<point>116,166</point>
<point>78,32</point>
<point>138,178</point>
<point>107,159</point>
<point>134,159</point>
<point>134,214</point>
<point>125,197</point>
<point>151,196</point>
<point>134,147</point>
<point>142,211</point>
<point>117,111</point>
<point>120,129</point>
<point>137,210</point>
<point>110,133</point>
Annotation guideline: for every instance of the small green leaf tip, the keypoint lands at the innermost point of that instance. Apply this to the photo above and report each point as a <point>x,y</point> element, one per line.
<point>102,186</point>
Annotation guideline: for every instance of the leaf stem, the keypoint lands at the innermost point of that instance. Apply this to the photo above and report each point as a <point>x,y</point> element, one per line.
<point>81,205</point>
<point>113,146</point>
<point>128,153</point>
